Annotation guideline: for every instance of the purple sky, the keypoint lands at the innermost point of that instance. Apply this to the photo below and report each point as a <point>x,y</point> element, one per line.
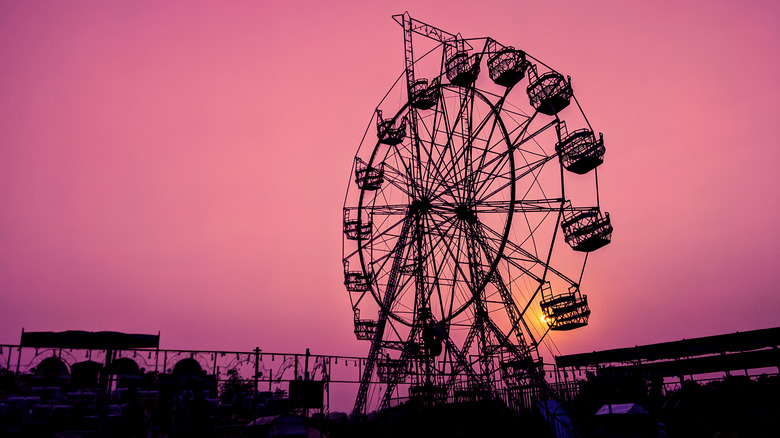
<point>181,166</point>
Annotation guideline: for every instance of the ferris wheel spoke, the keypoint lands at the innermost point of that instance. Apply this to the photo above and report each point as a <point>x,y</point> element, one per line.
<point>435,257</point>
<point>356,302</point>
<point>457,268</point>
<point>523,206</point>
<point>507,301</point>
<point>515,254</point>
<point>524,137</point>
<point>519,123</point>
<point>386,247</point>
<point>436,147</point>
<point>436,284</point>
<point>482,206</point>
<point>486,150</point>
<point>389,210</point>
<point>499,172</point>
<point>526,171</point>
<point>496,186</point>
<point>494,115</point>
<point>398,255</point>
<point>515,263</point>
<point>400,180</point>
<point>379,261</point>
<point>470,137</point>
<point>439,118</point>
<point>489,246</point>
<point>382,238</point>
<point>452,144</point>
<point>399,307</point>
<point>448,259</point>
<point>455,256</point>
<point>474,133</point>
<point>443,236</point>
<point>440,172</point>
<point>433,152</point>
<point>497,162</point>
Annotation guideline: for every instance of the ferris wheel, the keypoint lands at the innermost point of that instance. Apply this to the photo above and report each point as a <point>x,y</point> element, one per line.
<point>461,193</point>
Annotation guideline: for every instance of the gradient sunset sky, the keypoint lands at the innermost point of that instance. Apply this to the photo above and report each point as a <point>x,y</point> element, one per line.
<point>181,166</point>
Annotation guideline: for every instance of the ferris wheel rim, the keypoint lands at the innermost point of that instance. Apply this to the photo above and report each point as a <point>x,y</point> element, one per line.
<point>506,141</point>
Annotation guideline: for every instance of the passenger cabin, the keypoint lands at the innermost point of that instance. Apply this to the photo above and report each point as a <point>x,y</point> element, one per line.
<point>354,229</point>
<point>364,328</point>
<point>423,96</point>
<point>579,151</point>
<point>462,68</point>
<point>368,177</point>
<point>466,392</point>
<point>427,394</point>
<point>355,281</point>
<point>516,367</point>
<point>566,311</point>
<point>550,92</point>
<point>586,229</point>
<point>506,65</point>
<point>390,370</point>
<point>388,131</point>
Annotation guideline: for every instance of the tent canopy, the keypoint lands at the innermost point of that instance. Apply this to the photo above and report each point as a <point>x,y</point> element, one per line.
<point>89,340</point>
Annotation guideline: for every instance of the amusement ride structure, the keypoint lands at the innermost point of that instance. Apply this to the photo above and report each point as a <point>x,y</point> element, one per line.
<point>463,188</point>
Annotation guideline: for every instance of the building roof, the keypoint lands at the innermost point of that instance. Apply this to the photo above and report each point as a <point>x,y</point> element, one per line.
<point>685,348</point>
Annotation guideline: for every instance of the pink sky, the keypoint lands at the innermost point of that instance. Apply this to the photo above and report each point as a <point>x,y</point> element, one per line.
<point>181,166</point>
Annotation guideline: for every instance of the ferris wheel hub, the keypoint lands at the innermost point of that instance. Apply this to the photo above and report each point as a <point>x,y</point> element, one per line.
<point>420,206</point>
<point>466,213</point>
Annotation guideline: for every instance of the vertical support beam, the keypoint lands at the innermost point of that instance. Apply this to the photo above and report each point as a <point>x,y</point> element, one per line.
<point>408,53</point>
<point>19,355</point>
<point>306,366</point>
<point>256,377</point>
<point>257,351</point>
<point>376,344</point>
<point>157,353</point>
